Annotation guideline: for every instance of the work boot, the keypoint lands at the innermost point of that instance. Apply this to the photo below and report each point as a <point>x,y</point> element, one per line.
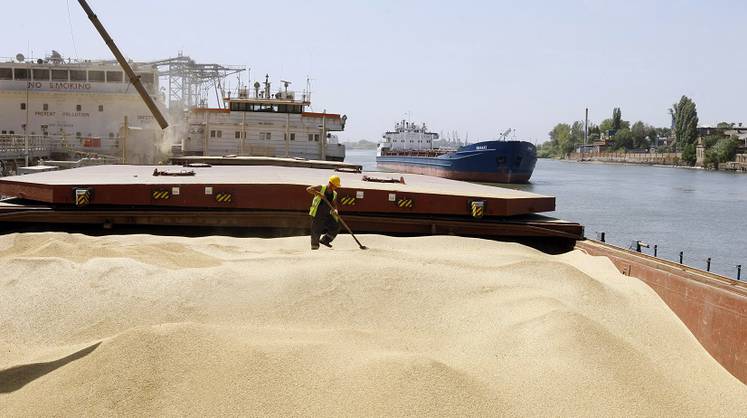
<point>314,247</point>
<point>325,242</point>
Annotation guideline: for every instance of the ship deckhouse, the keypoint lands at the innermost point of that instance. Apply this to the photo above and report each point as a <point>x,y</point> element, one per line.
<point>265,124</point>
<point>71,100</point>
<point>408,136</point>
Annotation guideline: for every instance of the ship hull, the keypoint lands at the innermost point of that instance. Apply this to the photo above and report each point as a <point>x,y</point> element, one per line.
<point>489,161</point>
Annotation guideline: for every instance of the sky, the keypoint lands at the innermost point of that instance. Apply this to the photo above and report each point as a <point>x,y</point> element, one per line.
<point>474,67</point>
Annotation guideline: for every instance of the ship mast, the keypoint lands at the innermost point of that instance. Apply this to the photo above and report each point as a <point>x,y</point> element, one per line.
<point>134,78</point>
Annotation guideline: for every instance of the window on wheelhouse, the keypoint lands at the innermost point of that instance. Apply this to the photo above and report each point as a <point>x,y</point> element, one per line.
<point>78,75</point>
<point>41,75</point>
<point>114,77</point>
<point>21,73</point>
<point>60,75</point>
<point>6,73</point>
<point>96,76</point>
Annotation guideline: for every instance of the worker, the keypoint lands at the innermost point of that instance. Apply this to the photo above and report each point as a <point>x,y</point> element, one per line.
<point>324,219</point>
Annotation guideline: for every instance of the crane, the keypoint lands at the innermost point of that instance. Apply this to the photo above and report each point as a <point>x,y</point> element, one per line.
<point>134,78</point>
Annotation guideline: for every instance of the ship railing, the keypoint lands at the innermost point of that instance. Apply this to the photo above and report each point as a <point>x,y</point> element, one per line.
<point>417,153</point>
<point>39,146</point>
<point>18,146</point>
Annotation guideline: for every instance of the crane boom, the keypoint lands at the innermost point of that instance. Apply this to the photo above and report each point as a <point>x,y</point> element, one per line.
<point>134,78</point>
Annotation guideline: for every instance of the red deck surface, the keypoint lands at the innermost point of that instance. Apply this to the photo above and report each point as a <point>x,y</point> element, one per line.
<point>268,188</point>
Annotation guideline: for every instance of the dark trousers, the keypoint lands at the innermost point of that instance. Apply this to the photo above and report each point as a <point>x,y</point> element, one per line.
<point>323,225</point>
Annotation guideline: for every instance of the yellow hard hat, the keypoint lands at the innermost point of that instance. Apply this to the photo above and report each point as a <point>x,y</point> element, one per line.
<point>334,180</point>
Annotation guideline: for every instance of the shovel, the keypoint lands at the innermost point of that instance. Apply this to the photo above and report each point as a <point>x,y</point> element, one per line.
<point>342,221</point>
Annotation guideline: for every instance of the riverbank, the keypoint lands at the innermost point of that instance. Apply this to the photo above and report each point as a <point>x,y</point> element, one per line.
<point>671,160</point>
<point>147,325</point>
<point>624,163</point>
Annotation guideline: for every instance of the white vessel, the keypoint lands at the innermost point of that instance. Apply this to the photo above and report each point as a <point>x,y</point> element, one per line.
<point>57,108</point>
<point>69,104</point>
<point>407,136</point>
<point>265,124</point>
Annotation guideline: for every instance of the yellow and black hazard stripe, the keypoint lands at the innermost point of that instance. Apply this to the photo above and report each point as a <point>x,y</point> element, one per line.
<point>161,194</point>
<point>82,197</point>
<point>223,197</point>
<point>347,200</point>
<point>405,203</point>
<point>478,208</point>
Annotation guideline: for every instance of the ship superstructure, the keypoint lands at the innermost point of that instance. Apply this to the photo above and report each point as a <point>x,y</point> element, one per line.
<point>82,104</point>
<point>263,123</point>
<point>408,136</point>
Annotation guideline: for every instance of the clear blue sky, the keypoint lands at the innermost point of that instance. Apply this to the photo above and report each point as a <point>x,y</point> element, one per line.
<point>470,66</point>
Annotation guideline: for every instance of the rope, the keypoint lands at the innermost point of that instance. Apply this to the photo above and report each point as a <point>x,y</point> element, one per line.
<point>72,35</point>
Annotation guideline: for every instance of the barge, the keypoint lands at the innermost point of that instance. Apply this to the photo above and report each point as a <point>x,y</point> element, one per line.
<point>252,199</point>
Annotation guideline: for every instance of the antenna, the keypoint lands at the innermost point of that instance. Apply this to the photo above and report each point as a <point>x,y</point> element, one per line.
<point>286,84</point>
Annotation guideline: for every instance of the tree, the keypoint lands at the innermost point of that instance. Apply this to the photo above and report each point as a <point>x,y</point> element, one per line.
<point>607,125</point>
<point>616,119</point>
<point>689,155</point>
<point>640,132</point>
<point>652,137</point>
<point>686,128</point>
<point>725,125</point>
<point>725,149</point>
<point>577,133</point>
<point>663,132</point>
<point>561,140</point>
<point>623,139</point>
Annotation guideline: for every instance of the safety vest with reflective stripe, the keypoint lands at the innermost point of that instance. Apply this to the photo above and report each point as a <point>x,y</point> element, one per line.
<point>317,200</point>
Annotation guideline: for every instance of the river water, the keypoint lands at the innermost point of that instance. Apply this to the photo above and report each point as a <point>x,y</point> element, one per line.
<point>702,213</point>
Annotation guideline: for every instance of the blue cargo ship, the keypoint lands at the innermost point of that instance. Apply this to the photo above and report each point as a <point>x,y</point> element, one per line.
<point>409,149</point>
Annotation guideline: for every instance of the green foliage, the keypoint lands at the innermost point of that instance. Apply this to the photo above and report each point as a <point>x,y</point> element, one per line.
<point>686,128</point>
<point>623,139</point>
<point>564,139</point>
<point>545,150</point>
<point>688,154</point>
<point>663,132</point>
<point>642,135</point>
<point>725,125</point>
<point>561,139</point>
<point>606,125</point>
<point>616,119</point>
<point>711,140</point>
<point>725,149</point>
<point>577,133</point>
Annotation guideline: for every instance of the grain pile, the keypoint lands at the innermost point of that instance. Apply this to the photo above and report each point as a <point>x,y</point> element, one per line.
<point>431,326</point>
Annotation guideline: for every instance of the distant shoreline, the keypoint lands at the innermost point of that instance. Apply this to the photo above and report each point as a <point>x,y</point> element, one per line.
<point>642,164</point>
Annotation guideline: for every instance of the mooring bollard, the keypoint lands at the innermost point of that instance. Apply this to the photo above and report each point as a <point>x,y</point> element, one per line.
<point>680,257</point>
<point>708,264</point>
<point>656,250</point>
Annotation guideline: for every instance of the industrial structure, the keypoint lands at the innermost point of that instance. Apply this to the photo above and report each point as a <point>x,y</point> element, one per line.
<point>189,83</point>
